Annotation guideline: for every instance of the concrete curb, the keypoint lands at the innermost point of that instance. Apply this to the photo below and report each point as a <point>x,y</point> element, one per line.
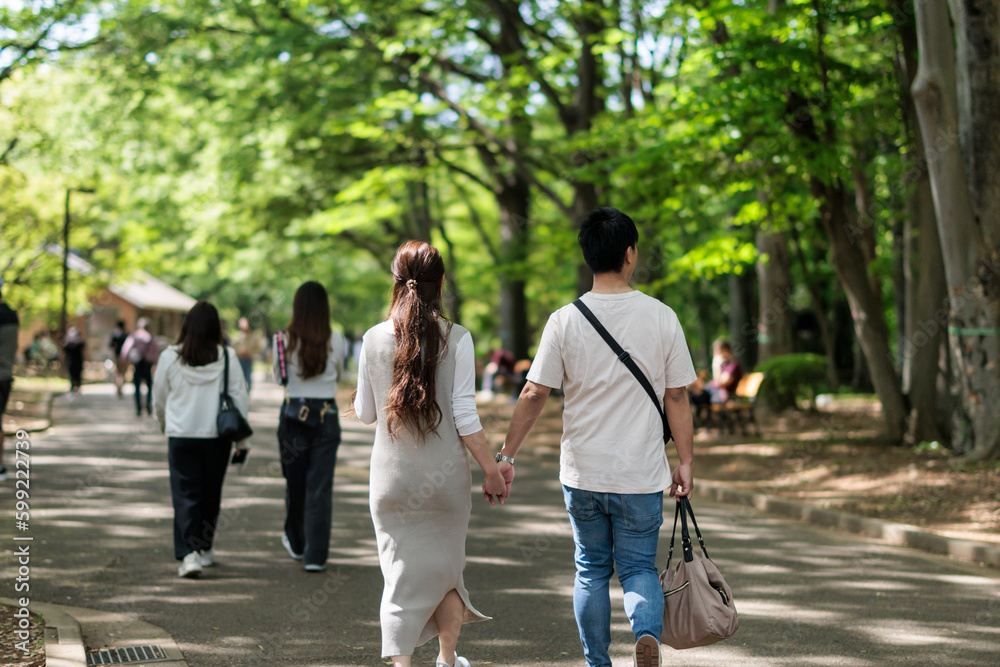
<point>897,534</point>
<point>63,637</point>
<point>46,419</point>
<point>64,645</point>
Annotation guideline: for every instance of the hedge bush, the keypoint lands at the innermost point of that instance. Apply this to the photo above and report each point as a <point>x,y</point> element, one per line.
<point>789,378</point>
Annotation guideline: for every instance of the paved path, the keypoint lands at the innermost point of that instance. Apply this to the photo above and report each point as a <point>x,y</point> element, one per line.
<point>102,526</point>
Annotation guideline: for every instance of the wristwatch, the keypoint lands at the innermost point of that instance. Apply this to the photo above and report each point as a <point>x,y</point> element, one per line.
<point>500,458</point>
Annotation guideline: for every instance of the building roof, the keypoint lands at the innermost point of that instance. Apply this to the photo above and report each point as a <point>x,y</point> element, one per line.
<point>147,292</point>
<point>143,290</point>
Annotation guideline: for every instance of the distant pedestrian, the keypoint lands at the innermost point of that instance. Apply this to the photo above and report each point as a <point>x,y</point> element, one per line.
<point>48,351</point>
<point>116,343</point>
<point>417,380</point>
<point>9,323</point>
<point>309,359</point>
<point>613,465</point>
<point>73,347</point>
<point>186,394</point>
<point>142,352</point>
<point>249,343</point>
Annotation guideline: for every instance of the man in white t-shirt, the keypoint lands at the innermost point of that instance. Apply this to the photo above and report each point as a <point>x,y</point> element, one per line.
<point>613,463</point>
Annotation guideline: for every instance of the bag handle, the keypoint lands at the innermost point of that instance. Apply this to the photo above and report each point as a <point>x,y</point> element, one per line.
<point>682,510</point>
<point>626,359</point>
<point>225,378</point>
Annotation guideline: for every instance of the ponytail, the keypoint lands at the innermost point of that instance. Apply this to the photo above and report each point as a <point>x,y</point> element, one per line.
<point>418,271</point>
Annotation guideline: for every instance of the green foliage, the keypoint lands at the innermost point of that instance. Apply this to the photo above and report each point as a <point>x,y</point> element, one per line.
<point>243,147</point>
<point>789,378</point>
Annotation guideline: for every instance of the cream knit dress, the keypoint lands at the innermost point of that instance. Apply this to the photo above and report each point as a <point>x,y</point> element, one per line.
<point>420,499</point>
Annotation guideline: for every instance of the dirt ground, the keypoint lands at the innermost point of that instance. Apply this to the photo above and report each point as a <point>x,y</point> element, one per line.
<point>10,655</point>
<point>833,459</point>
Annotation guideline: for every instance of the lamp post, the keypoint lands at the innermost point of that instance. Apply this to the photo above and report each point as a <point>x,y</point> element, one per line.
<point>65,276</point>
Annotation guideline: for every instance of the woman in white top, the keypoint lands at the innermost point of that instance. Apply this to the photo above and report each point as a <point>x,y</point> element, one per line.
<point>416,379</point>
<point>186,395</point>
<point>309,359</point>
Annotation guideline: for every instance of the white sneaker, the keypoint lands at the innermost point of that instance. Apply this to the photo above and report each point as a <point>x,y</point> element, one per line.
<point>191,566</point>
<point>314,567</point>
<point>459,662</point>
<point>208,558</point>
<point>288,547</point>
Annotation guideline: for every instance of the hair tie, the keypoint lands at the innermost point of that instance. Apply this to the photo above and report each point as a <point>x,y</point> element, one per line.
<point>411,284</point>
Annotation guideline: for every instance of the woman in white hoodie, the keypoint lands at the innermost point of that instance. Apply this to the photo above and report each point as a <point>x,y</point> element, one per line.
<point>186,395</point>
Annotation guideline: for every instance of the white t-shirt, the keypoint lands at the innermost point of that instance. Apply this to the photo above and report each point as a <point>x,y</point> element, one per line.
<point>612,433</point>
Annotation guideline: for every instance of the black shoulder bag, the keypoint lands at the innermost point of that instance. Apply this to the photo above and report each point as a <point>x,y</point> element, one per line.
<point>626,359</point>
<point>231,423</point>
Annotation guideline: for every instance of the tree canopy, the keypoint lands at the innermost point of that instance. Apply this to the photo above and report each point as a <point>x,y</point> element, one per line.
<point>768,150</point>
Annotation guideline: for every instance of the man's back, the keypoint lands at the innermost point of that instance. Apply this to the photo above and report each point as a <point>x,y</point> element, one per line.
<point>612,433</point>
<point>8,340</point>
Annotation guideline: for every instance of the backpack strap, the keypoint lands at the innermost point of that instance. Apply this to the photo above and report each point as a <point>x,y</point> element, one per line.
<point>626,359</point>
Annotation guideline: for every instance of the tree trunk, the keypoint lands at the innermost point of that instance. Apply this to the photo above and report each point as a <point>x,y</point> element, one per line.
<point>822,318</point>
<point>453,295</point>
<point>742,332</point>
<point>836,212</point>
<point>968,245</point>
<point>977,59</point>
<point>774,328</point>
<point>584,201</point>
<point>925,295</point>
<point>578,116</point>
<point>861,380</point>
<point>514,204</point>
<point>926,318</point>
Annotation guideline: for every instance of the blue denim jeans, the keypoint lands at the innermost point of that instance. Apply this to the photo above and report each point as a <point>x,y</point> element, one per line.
<point>615,530</point>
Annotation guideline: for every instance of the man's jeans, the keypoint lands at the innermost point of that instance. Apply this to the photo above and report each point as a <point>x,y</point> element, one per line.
<point>615,530</point>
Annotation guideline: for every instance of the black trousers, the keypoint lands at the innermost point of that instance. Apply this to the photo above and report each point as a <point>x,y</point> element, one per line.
<point>308,458</point>
<point>75,369</point>
<point>197,470</point>
<point>143,372</point>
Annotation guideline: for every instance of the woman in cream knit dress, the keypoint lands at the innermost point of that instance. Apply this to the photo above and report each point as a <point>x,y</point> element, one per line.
<point>416,379</point>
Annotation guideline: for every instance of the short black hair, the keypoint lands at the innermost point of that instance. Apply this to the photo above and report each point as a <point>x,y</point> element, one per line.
<point>605,236</point>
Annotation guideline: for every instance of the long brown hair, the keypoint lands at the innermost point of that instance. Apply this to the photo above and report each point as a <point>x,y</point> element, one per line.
<point>310,327</point>
<point>201,335</point>
<point>418,271</point>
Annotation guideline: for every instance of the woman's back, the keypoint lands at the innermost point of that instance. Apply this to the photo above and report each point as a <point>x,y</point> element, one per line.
<point>404,464</point>
<point>323,385</point>
<point>187,397</point>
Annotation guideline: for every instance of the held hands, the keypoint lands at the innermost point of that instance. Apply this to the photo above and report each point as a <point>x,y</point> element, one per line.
<point>498,485</point>
<point>683,481</point>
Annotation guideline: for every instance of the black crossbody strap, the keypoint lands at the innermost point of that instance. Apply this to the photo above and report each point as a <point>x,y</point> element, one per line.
<point>626,359</point>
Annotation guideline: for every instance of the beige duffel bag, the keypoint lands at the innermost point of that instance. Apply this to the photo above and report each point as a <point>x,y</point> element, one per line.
<point>698,607</point>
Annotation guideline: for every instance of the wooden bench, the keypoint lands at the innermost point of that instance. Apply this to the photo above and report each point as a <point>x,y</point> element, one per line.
<point>740,408</point>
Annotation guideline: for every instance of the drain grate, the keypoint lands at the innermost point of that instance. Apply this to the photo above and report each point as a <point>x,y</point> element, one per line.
<point>118,656</point>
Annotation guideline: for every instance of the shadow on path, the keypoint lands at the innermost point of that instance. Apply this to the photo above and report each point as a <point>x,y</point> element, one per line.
<point>101,522</point>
